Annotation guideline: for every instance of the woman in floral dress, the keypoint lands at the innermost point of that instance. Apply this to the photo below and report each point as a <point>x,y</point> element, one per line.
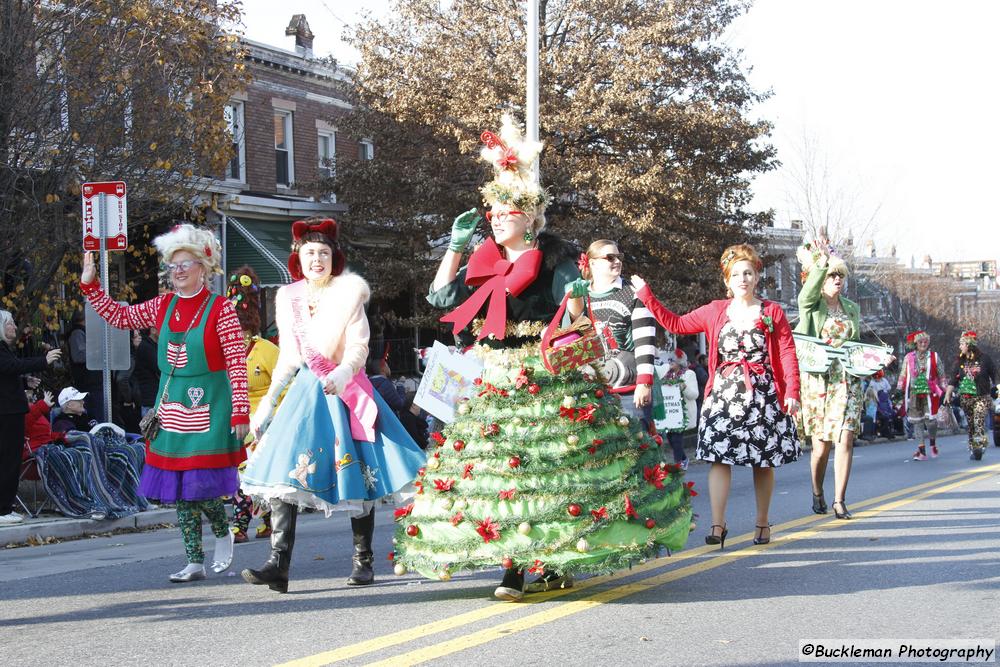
<point>753,387</point>
<point>831,401</point>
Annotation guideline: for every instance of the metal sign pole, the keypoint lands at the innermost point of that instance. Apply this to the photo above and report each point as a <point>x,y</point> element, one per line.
<point>102,215</point>
<point>531,110</point>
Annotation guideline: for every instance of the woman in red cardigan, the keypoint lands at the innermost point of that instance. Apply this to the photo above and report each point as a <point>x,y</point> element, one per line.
<point>753,386</point>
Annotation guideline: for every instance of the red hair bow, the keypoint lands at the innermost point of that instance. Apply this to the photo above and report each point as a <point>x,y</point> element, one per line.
<point>326,227</point>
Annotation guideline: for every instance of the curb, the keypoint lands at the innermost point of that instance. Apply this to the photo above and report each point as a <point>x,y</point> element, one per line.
<point>62,528</point>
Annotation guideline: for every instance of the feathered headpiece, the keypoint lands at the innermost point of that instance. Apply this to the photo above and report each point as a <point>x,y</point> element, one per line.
<point>198,241</point>
<point>514,182</point>
<point>969,338</point>
<point>808,254</point>
<point>244,293</point>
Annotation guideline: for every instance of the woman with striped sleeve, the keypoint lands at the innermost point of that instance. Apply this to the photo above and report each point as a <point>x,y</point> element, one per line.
<point>202,402</point>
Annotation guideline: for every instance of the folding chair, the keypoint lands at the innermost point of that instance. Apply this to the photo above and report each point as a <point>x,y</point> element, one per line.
<point>30,477</point>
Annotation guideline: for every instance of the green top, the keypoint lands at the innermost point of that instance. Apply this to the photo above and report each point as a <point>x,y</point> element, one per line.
<point>813,310</point>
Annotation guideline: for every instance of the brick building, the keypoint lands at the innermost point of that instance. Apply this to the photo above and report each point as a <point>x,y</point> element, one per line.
<point>285,140</point>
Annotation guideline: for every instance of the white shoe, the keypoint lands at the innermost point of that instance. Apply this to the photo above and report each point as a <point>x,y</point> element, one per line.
<point>10,519</point>
<point>223,556</point>
<point>193,572</point>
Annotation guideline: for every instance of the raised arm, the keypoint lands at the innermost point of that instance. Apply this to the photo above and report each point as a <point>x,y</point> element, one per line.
<point>462,230</point>
<point>694,322</point>
<point>644,340</point>
<point>812,289</point>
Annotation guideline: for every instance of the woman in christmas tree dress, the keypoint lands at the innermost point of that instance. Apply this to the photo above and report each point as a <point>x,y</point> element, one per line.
<point>753,386</point>
<point>922,381</point>
<point>832,400</point>
<point>538,472</point>
<point>974,375</point>
<point>333,444</point>
<point>202,398</point>
<point>262,357</point>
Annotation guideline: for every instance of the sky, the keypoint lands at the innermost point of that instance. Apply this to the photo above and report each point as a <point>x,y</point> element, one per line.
<point>893,102</point>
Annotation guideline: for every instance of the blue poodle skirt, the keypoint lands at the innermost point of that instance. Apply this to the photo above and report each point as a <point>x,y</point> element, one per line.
<point>307,457</point>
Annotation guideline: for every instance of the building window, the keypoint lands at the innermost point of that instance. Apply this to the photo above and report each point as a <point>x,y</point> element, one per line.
<point>366,150</point>
<point>284,151</point>
<point>234,123</point>
<point>326,144</point>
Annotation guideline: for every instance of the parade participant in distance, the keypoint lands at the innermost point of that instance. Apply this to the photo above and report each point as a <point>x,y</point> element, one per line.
<point>922,381</point>
<point>974,375</point>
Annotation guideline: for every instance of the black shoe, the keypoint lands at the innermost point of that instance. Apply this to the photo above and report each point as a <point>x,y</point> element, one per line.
<point>362,573</point>
<point>274,573</point>
<point>549,582</point>
<point>511,589</point>
<point>977,454</point>
<point>719,539</point>
<point>843,512</point>
<point>759,538</point>
<point>819,504</point>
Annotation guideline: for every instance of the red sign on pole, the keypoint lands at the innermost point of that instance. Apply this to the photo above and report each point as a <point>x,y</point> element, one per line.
<point>115,215</point>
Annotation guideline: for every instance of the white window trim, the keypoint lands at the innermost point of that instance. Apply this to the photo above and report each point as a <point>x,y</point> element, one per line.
<point>239,110</point>
<point>370,148</point>
<point>331,133</point>
<point>289,115</point>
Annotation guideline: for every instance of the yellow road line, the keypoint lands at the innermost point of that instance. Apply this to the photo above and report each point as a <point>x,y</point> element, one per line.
<point>532,620</point>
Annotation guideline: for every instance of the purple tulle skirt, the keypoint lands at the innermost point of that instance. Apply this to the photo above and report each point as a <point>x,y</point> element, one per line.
<point>169,486</point>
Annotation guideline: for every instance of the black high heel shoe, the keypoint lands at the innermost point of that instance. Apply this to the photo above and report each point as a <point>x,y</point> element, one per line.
<point>759,539</point>
<point>846,514</point>
<point>720,539</point>
<point>819,504</point>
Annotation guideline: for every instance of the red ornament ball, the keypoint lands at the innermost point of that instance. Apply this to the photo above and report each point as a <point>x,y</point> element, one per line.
<point>514,461</point>
<point>392,555</point>
<point>650,524</point>
<point>412,530</point>
<point>599,393</point>
<point>533,389</point>
<point>507,563</point>
<point>574,509</point>
<point>459,445</point>
<point>658,439</point>
<point>477,381</point>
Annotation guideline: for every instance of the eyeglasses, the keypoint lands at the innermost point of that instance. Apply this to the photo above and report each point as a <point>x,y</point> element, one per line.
<point>184,266</point>
<point>835,275</point>
<point>502,214</point>
<point>612,257</point>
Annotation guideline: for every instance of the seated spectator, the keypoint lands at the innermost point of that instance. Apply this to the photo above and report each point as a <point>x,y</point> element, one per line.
<point>37,426</point>
<point>414,420</point>
<point>381,378</point>
<point>74,415</point>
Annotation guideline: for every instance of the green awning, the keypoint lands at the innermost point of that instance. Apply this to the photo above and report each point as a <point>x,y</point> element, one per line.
<point>262,244</point>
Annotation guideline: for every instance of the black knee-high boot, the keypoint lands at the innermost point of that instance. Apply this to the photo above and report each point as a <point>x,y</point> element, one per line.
<point>363,528</point>
<point>274,572</point>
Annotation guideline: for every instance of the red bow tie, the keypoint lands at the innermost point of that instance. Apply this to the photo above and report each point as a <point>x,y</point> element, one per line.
<point>496,277</point>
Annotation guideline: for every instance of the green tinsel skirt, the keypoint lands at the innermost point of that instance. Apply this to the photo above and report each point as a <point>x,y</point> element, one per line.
<point>541,472</point>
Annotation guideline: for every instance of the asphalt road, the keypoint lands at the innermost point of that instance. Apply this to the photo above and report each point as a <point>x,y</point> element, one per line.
<point>920,561</point>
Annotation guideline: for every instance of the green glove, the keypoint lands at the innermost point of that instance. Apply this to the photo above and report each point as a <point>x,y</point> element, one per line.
<point>462,230</point>
<point>578,288</point>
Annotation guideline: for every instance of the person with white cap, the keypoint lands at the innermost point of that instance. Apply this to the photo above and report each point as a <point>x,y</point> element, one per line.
<point>74,415</point>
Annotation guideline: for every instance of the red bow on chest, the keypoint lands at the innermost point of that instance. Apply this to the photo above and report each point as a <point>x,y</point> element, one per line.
<point>495,277</point>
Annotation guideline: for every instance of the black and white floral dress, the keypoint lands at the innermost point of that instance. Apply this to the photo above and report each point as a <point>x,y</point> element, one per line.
<point>742,423</point>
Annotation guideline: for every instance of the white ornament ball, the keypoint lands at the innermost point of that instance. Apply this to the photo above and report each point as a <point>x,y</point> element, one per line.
<point>447,503</point>
<point>569,401</point>
<point>463,408</point>
<point>639,436</point>
<point>461,504</point>
<point>433,463</point>
<point>573,439</point>
<point>623,421</point>
<point>524,528</point>
<point>400,569</point>
<point>517,421</point>
<point>445,576</point>
<point>583,546</point>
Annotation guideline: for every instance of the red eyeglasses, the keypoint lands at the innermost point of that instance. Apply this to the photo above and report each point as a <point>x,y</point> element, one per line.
<point>513,211</point>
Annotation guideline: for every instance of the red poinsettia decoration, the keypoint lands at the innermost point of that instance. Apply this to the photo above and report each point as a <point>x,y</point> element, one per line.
<point>477,381</point>
<point>490,429</point>
<point>599,514</point>
<point>457,519</point>
<point>629,508</point>
<point>508,160</point>
<point>522,379</point>
<point>467,473</point>
<point>567,413</point>
<point>438,439</point>
<point>443,484</point>
<point>402,512</point>
<point>493,390</point>
<point>507,495</point>
<point>586,414</point>
<point>488,529</point>
<point>655,475</point>
<point>537,568</point>
<point>592,449</point>
<point>420,487</point>
<point>690,488</point>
